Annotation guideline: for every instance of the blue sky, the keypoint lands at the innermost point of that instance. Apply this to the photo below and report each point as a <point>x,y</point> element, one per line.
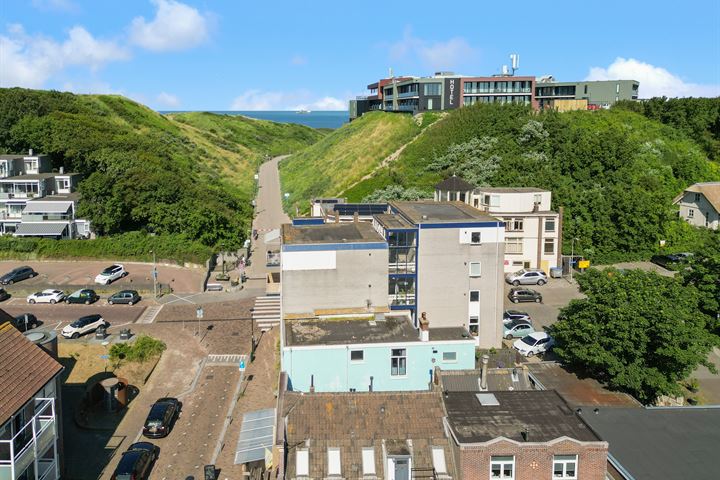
<point>220,55</point>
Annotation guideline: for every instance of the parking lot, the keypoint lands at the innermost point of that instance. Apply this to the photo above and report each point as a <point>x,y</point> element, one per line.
<point>71,275</point>
<point>557,293</point>
<point>55,317</point>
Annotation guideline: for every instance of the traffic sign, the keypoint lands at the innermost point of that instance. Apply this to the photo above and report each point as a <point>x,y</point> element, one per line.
<point>242,365</point>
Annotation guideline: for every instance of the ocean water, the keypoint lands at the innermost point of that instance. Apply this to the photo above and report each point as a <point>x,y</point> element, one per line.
<point>320,119</point>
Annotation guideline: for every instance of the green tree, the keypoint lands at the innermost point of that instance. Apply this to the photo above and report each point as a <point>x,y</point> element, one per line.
<point>636,331</point>
<point>395,192</point>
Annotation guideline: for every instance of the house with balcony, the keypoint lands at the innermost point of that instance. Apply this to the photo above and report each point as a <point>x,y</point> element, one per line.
<point>29,409</point>
<point>36,202</point>
<point>533,231</point>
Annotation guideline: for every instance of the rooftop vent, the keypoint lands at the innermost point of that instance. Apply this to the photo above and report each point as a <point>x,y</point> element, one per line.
<point>487,400</point>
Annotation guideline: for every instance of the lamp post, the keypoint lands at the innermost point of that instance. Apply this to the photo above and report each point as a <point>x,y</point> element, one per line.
<point>252,335</point>
<point>154,275</point>
<point>572,256</point>
<point>199,313</point>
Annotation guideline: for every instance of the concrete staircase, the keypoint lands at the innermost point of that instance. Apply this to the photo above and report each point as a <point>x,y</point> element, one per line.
<point>266,313</point>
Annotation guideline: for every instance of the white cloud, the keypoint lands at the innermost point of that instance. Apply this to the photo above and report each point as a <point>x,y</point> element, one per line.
<point>56,5</point>
<point>167,100</point>
<point>654,81</point>
<point>261,100</point>
<point>30,60</point>
<point>298,60</point>
<point>176,26</point>
<point>441,55</point>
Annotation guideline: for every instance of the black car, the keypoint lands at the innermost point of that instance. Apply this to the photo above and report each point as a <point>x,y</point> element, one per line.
<point>25,322</point>
<point>136,463</point>
<point>162,417</point>
<point>3,295</point>
<point>510,315</point>
<point>670,260</point>
<point>130,297</point>
<point>17,274</point>
<point>84,295</point>
<point>517,295</point>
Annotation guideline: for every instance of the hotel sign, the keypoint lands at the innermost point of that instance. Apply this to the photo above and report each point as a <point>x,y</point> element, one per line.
<point>452,93</point>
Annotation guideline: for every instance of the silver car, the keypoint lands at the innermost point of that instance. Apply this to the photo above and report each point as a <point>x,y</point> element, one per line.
<point>527,276</point>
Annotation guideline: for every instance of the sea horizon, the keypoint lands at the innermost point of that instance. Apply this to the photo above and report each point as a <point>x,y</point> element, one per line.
<point>315,119</point>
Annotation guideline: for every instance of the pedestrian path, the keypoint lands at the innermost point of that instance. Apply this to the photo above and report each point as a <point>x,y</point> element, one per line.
<point>266,312</point>
<point>150,314</point>
<point>225,359</point>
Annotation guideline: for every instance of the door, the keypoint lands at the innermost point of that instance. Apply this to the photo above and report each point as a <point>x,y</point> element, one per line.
<point>402,469</point>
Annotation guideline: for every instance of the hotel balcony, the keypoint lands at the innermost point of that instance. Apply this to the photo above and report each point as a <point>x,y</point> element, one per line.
<point>33,445</point>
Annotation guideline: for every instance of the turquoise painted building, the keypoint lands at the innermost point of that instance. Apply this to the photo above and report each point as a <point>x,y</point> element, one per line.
<point>357,355</point>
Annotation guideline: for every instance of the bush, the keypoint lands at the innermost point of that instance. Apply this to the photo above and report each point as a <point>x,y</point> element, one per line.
<point>143,349</point>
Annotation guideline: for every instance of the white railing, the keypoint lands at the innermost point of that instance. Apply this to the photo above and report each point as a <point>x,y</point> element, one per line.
<point>30,442</point>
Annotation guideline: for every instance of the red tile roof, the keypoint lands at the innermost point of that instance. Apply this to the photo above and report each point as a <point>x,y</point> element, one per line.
<point>25,368</point>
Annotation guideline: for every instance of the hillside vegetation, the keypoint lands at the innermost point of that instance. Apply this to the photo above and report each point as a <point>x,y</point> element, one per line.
<point>185,175</point>
<point>346,155</point>
<point>615,172</point>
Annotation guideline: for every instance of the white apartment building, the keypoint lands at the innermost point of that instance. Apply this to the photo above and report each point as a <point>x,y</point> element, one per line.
<point>533,231</point>
<point>699,205</point>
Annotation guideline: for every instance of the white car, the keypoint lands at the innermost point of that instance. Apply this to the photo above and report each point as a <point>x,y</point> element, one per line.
<point>110,274</point>
<point>83,325</point>
<point>538,342</point>
<point>46,296</point>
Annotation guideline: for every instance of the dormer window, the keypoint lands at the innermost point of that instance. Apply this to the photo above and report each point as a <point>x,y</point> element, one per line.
<point>334,468</point>
<point>302,463</point>
<point>368,461</point>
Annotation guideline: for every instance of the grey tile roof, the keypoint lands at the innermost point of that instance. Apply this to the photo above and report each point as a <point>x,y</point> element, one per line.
<point>455,184</point>
<point>52,229</point>
<point>498,379</point>
<point>655,443</point>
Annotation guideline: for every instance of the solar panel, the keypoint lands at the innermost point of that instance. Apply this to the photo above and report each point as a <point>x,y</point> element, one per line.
<point>360,208</point>
<point>256,436</point>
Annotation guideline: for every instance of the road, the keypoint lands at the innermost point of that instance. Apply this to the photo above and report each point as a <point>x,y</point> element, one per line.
<point>269,215</point>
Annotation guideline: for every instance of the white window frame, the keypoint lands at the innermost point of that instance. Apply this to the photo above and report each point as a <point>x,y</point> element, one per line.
<point>494,200</point>
<point>399,358</point>
<point>357,361</point>
<point>472,235</point>
<point>454,360</point>
<point>691,213</point>
<point>545,245</point>
<point>438,459</point>
<point>479,269</point>
<point>554,224</point>
<point>470,296</point>
<point>512,224</point>
<point>565,460</point>
<point>334,465</point>
<point>474,321</point>
<point>514,245</point>
<point>502,460</point>
<point>302,462</point>
<point>368,461</point>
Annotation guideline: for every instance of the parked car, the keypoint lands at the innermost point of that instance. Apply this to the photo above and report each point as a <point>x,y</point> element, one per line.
<point>162,417</point>
<point>17,274</point>
<point>84,295</point>
<point>517,329</point>
<point>136,462</point>
<point>527,276</point>
<point>46,296</point>
<point>110,274</point>
<point>517,295</point>
<point>671,260</point>
<point>130,297</point>
<point>25,322</point>
<point>533,344</point>
<point>4,295</point>
<point>510,315</point>
<point>83,325</point>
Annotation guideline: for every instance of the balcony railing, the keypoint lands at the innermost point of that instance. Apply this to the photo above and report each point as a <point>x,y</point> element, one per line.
<point>402,298</point>
<point>30,443</point>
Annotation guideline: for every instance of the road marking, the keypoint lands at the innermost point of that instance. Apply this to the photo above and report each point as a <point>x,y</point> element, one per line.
<point>185,298</point>
<point>57,327</point>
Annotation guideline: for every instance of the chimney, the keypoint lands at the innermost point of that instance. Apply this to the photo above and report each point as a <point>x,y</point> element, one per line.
<point>484,372</point>
<point>536,207</point>
<point>312,383</point>
<point>356,217</point>
<point>371,383</point>
<point>526,434</point>
<point>30,153</point>
<point>424,327</point>
<point>62,170</point>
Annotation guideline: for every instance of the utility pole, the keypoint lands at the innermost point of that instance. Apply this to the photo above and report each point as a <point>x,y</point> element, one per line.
<point>154,275</point>
<point>199,313</point>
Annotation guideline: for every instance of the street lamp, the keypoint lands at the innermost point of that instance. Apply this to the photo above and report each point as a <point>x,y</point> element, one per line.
<point>252,335</point>
<point>572,256</point>
<point>199,313</point>
<point>154,275</point>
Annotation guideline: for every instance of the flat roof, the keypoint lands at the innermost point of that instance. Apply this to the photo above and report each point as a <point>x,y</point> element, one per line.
<point>11,157</point>
<point>652,443</point>
<point>510,189</point>
<point>391,221</point>
<point>349,232</point>
<point>394,329</point>
<point>513,378</point>
<point>429,211</point>
<point>32,176</point>
<point>577,391</point>
<point>543,413</point>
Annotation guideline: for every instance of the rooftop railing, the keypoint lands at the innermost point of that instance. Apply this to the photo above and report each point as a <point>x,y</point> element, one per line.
<point>29,443</point>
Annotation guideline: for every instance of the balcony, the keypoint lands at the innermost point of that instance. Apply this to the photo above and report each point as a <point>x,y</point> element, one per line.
<point>403,298</point>
<point>30,443</point>
<point>408,95</point>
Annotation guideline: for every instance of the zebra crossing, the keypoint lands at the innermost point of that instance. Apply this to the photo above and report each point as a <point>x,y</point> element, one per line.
<point>266,312</point>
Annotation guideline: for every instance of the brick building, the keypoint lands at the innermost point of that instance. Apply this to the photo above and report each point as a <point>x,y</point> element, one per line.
<point>521,435</point>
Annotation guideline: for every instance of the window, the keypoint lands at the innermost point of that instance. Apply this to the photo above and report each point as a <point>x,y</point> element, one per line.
<point>549,224</point>
<point>368,461</point>
<point>502,467</point>
<point>513,245</point>
<point>474,326</point>
<point>474,269</point>
<point>494,200</point>
<point>430,104</point>
<point>302,463</point>
<point>357,355</point>
<point>691,213</point>
<point>549,246</point>
<point>438,457</point>
<point>537,199</point>
<point>565,466</point>
<point>514,225</point>
<point>449,356</point>
<point>334,461</point>
<point>431,88</point>
<point>398,362</point>
<point>585,89</point>
<point>475,295</point>
<point>697,197</point>
<point>475,238</point>
<point>486,199</point>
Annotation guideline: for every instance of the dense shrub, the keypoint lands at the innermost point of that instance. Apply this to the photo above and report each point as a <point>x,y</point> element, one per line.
<point>142,349</point>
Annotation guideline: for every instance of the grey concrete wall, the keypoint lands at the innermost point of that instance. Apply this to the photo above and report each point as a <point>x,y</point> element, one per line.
<point>444,282</point>
<point>359,275</point>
